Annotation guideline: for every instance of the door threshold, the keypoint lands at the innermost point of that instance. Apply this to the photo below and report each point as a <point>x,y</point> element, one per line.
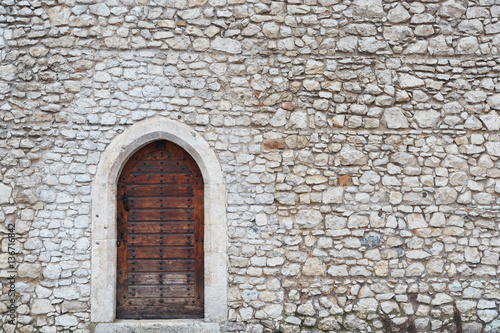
<point>158,326</point>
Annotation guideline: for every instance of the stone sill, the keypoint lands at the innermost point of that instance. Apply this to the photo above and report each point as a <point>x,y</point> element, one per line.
<point>158,326</point>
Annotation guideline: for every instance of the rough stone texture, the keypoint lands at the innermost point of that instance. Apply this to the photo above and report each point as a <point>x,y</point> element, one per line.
<point>359,142</point>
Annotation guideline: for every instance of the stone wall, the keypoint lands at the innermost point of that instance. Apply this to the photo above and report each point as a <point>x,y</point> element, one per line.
<point>359,139</point>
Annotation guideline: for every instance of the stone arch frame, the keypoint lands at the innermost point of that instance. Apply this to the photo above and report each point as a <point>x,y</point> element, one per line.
<point>103,215</point>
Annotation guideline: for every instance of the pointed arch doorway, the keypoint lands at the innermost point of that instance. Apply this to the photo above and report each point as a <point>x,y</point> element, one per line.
<point>104,222</point>
<point>160,235</point>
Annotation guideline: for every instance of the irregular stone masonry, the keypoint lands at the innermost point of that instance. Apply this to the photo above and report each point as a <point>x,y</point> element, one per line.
<point>359,139</point>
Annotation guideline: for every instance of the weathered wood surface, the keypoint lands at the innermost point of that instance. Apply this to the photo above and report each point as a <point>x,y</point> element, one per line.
<point>160,230</point>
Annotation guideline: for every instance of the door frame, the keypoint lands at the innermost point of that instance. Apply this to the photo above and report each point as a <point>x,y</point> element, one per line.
<point>103,215</point>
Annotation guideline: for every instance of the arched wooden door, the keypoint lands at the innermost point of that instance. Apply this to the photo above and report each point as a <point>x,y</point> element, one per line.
<point>160,235</point>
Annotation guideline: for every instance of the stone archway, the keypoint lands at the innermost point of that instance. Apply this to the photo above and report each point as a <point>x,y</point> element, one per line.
<point>103,262</point>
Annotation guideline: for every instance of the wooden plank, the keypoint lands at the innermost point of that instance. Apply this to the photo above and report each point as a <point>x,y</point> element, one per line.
<point>150,313</point>
<point>160,265</point>
<point>172,190</point>
<point>166,227</point>
<point>161,215</point>
<point>164,301</point>
<point>160,253</point>
<point>158,240</point>
<point>158,178</point>
<point>161,291</point>
<point>165,310</point>
<point>163,155</point>
<point>157,166</point>
<point>160,278</point>
<point>160,202</point>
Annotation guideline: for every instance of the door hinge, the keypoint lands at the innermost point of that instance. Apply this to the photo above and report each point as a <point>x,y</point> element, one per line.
<point>120,229</point>
<point>124,201</point>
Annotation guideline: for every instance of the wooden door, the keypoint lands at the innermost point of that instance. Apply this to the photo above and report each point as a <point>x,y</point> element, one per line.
<point>160,235</point>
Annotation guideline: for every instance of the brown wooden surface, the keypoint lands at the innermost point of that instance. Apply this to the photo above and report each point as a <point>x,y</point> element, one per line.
<point>157,290</point>
<point>161,202</point>
<point>155,252</point>
<point>155,166</point>
<point>160,214</point>
<point>171,190</point>
<point>160,278</point>
<point>160,240</point>
<point>160,232</point>
<point>158,227</point>
<point>172,265</point>
<point>158,178</point>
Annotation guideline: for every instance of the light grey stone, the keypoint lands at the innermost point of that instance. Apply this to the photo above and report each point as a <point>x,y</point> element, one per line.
<point>419,47</point>
<point>435,266</point>
<point>99,9</point>
<point>416,221</point>
<point>367,305</point>
<point>309,218</point>
<point>415,269</point>
<point>271,29</point>
<point>314,67</point>
<point>66,320</point>
<point>8,72</point>
<point>475,96</point>
<point>441,298</point>
<point>347,44</point>
<point>472,255</point>
<point>352,156</point>
<point>394,118</point>
<point>454,107</point>
<point>311,84</point>
<point>74,306</point>
<point>368,8</point>
<point>487,315</point>
<point>427,118</point>
<point>398,34</point>
<point>410,81</point>
<point>28,270</point>
<point>439,46</point>
<point>299,120</point>
<point>313,267</point>
<point>452,9</point>
<point>398,14</point>
<point>371,44</point>
<point>335,222</point>
<point>41,306</point>
<point>446,195</point>
<point>102,77</point>
<point>183,43</point>
<point>79,9</point>
<point>493,148</point>
<point>226,45</point>
<point>68,292</point>
<point>333,195</point>
<point>59,15</point>
<point>273,310</point>
<point>494,101</point>
<point>306,309</point>
<point>5,193</point>
<point>471,27</point>
<point>358,221</point>
<point>52,271</point>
